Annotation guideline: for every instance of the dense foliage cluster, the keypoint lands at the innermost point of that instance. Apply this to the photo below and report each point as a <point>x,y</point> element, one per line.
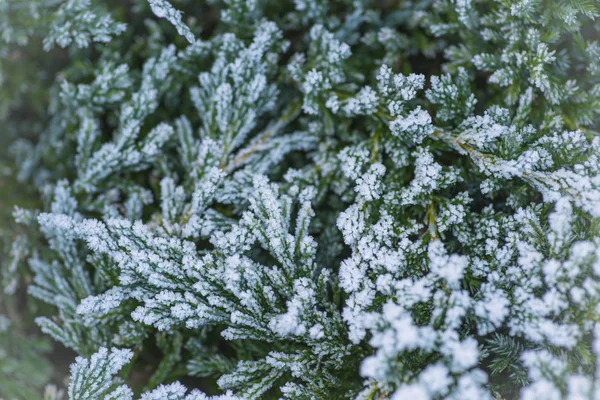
<point>303,199</point>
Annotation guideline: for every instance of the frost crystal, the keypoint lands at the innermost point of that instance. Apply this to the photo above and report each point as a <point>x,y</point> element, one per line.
<point>164,9</point>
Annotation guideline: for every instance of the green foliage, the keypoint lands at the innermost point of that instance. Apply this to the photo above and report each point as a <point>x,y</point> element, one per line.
<point>305,199</point>
<point>23,369</point>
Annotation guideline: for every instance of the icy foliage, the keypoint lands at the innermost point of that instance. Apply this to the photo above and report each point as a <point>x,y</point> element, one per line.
<point>93,379</point>
<point>317,200</point>
<point>164,9</point>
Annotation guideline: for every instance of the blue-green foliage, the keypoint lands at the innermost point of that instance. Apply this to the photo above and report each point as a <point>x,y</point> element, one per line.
<point>309,199</point>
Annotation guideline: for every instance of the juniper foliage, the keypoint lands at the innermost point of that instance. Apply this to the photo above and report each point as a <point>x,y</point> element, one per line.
<point>313,199</point>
